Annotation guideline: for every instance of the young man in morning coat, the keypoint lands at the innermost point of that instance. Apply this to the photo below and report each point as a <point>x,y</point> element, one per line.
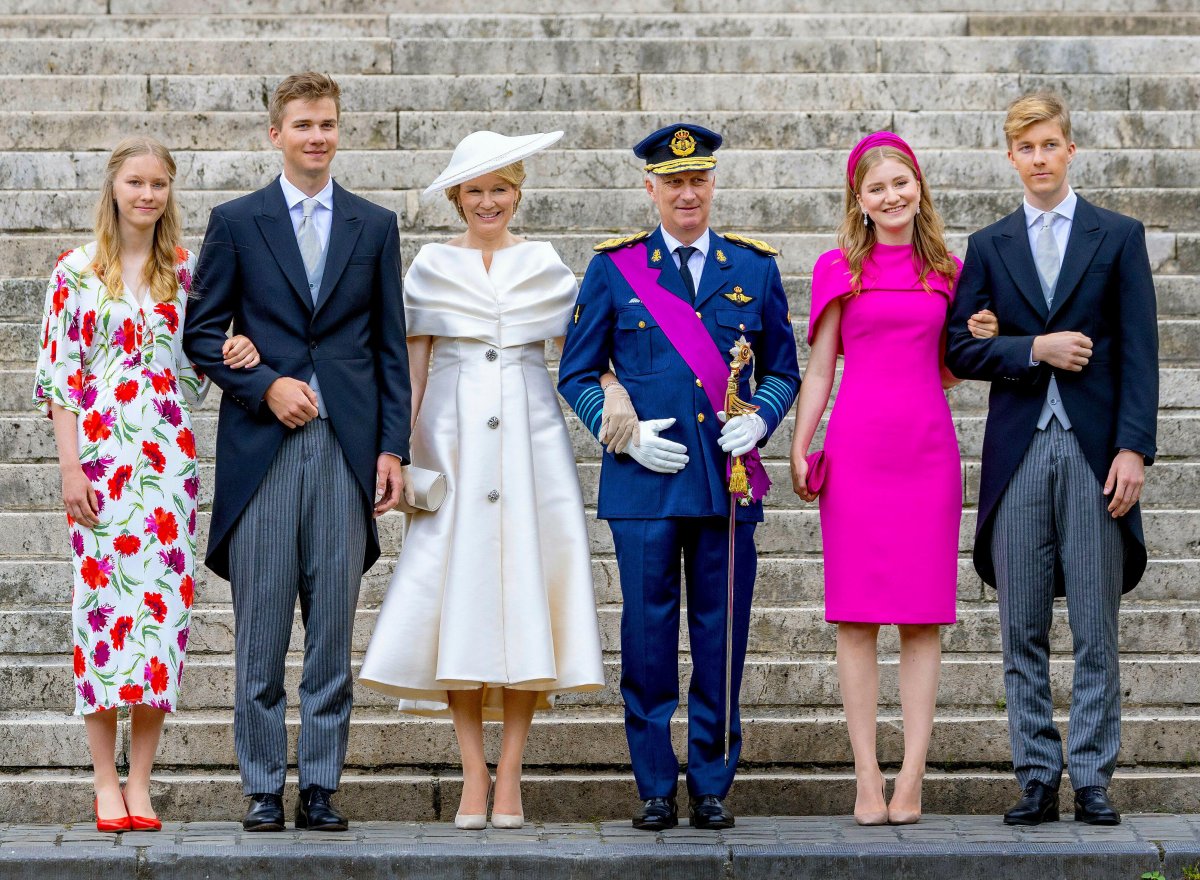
<point>1071,426</point>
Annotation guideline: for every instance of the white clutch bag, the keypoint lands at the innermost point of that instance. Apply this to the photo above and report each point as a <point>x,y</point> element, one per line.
<point>429,489</point>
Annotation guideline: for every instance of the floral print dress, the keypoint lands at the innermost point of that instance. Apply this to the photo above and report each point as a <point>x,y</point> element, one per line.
<point>120,368</point>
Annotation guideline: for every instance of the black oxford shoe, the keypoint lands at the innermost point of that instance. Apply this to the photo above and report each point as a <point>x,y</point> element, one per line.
<point>709,814</point>
<point>315,812</point>
<point>1038,804</point>
<point>265,813</point>
<point>658,814</point>
<point>1093,806</point>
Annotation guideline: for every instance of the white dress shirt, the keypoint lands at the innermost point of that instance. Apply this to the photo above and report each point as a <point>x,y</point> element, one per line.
<point>1060,224</point>
<point>322,215</point>
<point>696,263</point>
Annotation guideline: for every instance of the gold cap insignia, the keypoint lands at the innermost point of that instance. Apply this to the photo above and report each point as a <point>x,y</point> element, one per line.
<point>683,144</point>
<point>720,256</point>
<point>656,256</point>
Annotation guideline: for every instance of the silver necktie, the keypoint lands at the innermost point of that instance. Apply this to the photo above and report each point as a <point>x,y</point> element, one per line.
<point>1046,256</point>
<point>308,239</point>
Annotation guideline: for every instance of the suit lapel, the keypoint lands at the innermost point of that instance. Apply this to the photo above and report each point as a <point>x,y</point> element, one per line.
<point>343,235</point>
<point>1082,243</point>
<point>668,276</point>
<point>276,226</point>
<point>1012,242</point>
<point>715,275</point>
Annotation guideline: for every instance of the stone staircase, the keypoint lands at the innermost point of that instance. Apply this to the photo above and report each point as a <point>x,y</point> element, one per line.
<point>791,86</point>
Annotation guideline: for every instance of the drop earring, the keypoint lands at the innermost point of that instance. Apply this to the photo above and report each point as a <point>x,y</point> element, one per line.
<point>866,219</point>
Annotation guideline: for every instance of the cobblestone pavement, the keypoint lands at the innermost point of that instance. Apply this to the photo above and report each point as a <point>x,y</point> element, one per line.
<point>759,847</point>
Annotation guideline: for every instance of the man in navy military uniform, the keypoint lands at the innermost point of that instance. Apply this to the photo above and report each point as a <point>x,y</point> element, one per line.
<point>667,499</point>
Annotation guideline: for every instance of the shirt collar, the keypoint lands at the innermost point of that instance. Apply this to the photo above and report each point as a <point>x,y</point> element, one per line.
<point>1065,208</point>
<point>294,196</point>
<point>700,244</point>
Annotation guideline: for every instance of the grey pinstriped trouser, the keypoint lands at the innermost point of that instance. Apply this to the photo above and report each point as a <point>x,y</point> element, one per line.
<point>1054,507</point>
<point>303,533</point>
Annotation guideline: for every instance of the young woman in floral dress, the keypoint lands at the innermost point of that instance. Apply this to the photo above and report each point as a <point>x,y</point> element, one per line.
<point>112,376</point>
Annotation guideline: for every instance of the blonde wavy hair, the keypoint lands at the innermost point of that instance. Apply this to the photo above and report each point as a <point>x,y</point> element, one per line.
<point>856,239</point>
<point>160,270</point>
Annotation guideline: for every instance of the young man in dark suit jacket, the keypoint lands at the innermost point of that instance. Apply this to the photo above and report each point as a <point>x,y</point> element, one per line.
<point>1071,426</point>
<point>310,443</point>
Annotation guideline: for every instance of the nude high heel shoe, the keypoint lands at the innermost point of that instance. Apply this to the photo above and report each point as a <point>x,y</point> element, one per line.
<point>474,821</point>
<point>878,817</point>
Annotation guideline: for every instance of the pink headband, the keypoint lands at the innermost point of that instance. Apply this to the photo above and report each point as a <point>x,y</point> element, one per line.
<point>878,139</point>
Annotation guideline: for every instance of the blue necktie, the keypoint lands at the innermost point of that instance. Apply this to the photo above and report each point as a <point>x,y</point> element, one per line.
<point>685,254</point>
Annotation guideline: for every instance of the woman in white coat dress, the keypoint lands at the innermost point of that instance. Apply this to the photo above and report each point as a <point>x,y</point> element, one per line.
<point>491,609</point>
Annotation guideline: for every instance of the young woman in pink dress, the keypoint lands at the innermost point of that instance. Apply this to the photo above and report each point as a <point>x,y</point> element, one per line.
<point>892,497</point>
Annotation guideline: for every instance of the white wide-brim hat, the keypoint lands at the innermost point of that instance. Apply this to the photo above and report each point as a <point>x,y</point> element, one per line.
<point>482,152</point>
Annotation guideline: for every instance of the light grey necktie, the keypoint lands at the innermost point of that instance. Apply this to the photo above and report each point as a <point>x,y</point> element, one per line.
<point>1046,256</point>
<point>310,241</point>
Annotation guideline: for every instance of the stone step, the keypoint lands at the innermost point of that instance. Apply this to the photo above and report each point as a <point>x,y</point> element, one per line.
<point>594,209</point>
<point>45,682</point>
<point>400,26</point>
<point>781,633</point>
<point>581,169</point>
<point>1178,340</point>
<point>600,129</point>
<point>650,54</point>
<point>700,93</point>
<point>1173,534</point>
<point>27,438</point>
<point>564,7</point>
<point>782,582</point>
<point>27,259</point>
<point>193,55</point>
<point>1055,24</point>
<point>565,740</point>
<point>1169,484</point>
<point>49,796</point>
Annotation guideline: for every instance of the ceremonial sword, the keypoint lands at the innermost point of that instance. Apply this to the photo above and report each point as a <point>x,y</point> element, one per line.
<point>739,493</point>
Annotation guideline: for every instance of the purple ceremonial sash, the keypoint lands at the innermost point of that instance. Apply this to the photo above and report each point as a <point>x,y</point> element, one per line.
<point>688,336</point>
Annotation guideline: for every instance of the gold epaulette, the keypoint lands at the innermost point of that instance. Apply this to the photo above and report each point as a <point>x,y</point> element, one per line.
<point>753,243</point>
<point>612,244</point>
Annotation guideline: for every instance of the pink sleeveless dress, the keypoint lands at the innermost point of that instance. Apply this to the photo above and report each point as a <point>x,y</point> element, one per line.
<point>892,498</point>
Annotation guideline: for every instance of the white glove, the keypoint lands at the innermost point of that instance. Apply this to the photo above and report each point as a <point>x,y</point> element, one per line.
<point>656,453</point>
<point>742,433</point>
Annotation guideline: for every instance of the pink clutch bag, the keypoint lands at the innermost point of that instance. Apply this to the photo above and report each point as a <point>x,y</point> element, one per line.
<point>817,465</point>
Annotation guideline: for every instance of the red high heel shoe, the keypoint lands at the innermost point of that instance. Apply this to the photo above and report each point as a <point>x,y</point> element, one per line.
<point>113,826</point>
<point>141,823</point>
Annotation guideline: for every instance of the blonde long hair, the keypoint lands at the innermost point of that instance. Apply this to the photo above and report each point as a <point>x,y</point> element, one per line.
<point>159,273</point>
<point>856,239</point>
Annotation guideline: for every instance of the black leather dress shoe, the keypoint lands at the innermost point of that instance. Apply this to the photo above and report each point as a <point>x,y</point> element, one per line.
<point>315,812</point>
<point>1093,806</point>
<point>265,813</point>
<point>709,814</point>
<point>1038,804</point>
<point>658,814</point>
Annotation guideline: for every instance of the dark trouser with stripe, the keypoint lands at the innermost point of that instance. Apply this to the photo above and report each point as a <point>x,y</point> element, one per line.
<point>648,556</point>
<point>303,533</point>
<point>1054,510</point>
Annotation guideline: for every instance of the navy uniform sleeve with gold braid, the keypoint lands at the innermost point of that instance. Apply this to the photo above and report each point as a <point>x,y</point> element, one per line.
<point>585,356</point>
<point>776,369</point>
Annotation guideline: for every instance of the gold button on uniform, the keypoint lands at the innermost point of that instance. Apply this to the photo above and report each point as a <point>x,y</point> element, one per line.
<point>642,324</point>
<point>698,315</point>
<point>741,326</point>
<point>699,384</point>
<point>699,417</point>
